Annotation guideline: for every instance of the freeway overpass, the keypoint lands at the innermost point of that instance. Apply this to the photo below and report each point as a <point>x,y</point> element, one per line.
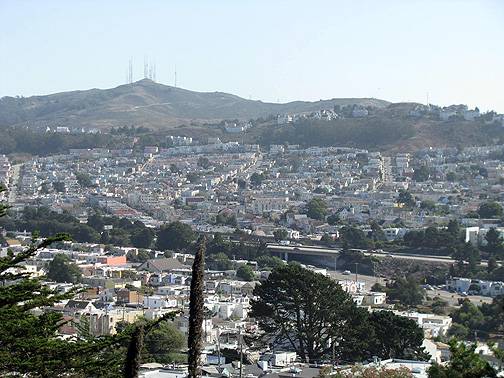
<point>334,252</point>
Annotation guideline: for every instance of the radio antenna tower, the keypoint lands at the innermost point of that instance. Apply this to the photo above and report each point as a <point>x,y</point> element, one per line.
<point>146,68</point>
<point>175,77</point>
<point>130,71</point>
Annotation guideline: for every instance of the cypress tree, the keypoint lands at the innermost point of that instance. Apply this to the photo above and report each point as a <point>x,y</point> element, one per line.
<point>196,310</point>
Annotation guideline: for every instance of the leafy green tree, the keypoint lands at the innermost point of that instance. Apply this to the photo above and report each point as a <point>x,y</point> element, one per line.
<point>460,331</point>
<point>83,179</point>
<point>333,219</point>
<point>354,238</point>
<point>96,221</point>
<point>468,258</point>
<point>454,228</point>
<point>464,363</point>
<point>142,238</point>
<point>421,173</point>
<point>316,208</point>
<point>494,241</point>
<point>405,198</point>
<point>217,245</point>
<point>468,315</point>
<point>140,256</point>
<point>61,269</point>
<point>307,310</point>
<point>406,290</point>
<point>175,236</point>
<point>256,179</point>
<point>492,264</point>
<point>395,336</point>
<point>271,262</point>
<point>204,163</point>
<point>84,234</point>
<point>226,219</point>
<point>428,205</point>
<point>490,210</point>
<point>245,272</point>
<point>377,232</point>
<point>219,261</point>
<point>162,343</point>
<point>280,234</point>
<point>439,306</point>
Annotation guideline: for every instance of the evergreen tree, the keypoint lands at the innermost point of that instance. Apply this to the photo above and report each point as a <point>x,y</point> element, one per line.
<point>464,363</point>
<point>175,236</point>
<point>61,269</point>
<point>306,310</point>
<point>196,310</point>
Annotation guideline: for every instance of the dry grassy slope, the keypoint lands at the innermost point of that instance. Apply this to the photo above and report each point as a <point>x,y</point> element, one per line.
<point>430,133</point>
<point>148,104</point>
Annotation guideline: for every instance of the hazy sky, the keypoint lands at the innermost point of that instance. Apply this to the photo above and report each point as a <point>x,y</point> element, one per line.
<point>268,50</point>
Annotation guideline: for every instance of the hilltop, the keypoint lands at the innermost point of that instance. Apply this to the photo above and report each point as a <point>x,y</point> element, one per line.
<point>150,104</point>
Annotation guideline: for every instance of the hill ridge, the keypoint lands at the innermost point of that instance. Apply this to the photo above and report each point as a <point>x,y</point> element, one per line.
<point>147,103</point>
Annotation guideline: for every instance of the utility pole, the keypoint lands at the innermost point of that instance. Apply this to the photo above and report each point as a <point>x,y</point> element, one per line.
<point>241,351</point>
<point>334,353</point>
<point>218,348</point>
<point>356,272</point>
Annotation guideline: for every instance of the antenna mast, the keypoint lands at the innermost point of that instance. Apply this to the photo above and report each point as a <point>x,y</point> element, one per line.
<point>130,71</point>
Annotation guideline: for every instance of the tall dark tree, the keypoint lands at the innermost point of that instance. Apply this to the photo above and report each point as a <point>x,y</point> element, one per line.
<point>407,291</point>
<point>377,232</point>
<point>316,209</point>
<point>405,198</point>
<point>139,333</point>
<point>142,238</point>
<point>61,269</point>
<point>306,310</point>
<point>29,343</point>
<point>175,235</point>
<point>421,173</point>
<point>196,309</point>
<point>490,210</point>
<point>395,336</point>
<point>494,241</point>
<point>280,234</point>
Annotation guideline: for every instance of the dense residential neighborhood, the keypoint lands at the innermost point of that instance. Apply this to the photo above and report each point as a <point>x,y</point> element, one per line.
<point>365,220</point>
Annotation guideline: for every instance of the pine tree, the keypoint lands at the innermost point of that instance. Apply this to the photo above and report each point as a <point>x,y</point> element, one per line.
<point>29,343</point>
<point>196,310</point>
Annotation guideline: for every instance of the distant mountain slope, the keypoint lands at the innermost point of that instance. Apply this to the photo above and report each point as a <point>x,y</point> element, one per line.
<point>146,103</point>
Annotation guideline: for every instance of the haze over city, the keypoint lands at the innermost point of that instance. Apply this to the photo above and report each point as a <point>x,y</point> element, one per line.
<point>259,189</point>
<point>271,51</point>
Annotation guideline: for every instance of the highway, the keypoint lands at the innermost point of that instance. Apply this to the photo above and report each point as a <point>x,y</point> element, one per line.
<point>324,251</point>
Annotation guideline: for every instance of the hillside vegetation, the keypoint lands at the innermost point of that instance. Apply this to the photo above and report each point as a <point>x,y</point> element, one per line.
<point>387,129</point>
<point>146,103</point>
